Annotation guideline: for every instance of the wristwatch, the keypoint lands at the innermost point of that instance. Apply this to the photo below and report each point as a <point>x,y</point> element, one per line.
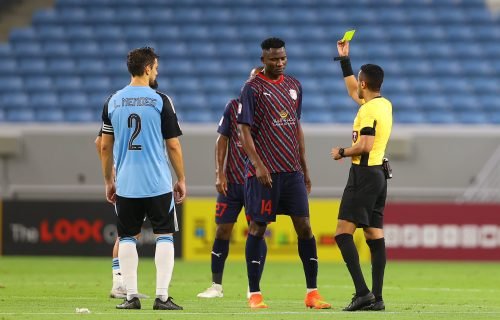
<point>341,152</point>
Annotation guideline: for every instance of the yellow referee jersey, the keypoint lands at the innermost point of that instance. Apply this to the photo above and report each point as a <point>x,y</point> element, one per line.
<point>373,118</point>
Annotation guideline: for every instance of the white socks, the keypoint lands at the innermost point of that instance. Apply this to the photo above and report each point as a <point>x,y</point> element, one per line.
<point>164,260</point>
<point>129,260</point>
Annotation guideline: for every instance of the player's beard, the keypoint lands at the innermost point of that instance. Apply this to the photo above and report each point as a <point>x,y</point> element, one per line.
<point>153,84</point>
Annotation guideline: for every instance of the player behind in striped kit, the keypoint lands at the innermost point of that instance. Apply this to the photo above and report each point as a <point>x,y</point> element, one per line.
<point>229,181</point>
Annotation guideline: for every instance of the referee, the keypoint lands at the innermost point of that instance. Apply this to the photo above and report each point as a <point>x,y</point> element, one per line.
<point>363,201</point>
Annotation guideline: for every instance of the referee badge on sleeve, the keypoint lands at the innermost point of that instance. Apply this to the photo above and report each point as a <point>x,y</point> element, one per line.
<point>293,94</point>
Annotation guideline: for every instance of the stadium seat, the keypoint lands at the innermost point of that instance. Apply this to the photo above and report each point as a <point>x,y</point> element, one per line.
<point>49,115</point>
<point>11,83</point>
<point>73,101</point>
<point>44,100</point>
<point>20,115</point>
<point>23,35</point>
<point>51,33</point>
<point>40,83</point>
<point>68,83</point>
<point>440,117</point>
<point>32,66</point>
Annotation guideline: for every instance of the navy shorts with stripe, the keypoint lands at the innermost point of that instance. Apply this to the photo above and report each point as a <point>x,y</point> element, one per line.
<point>229,207</point>
<point>160,211</point>
<point>288,195</point>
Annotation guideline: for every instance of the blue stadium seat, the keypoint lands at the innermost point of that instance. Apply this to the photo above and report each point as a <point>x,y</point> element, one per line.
<point>71,15</point>
<point>68,83</point>
<point>403,33</point>
<point>158,16</point>
<point>130,17</point>
<point>27,49</point>
<point>60,66</point>
<point>425,85</point>
<point>195,116</point>
<point>51,33</point>
<point>56,49</point>
<point>211,83</point>
<point>343,116</point>
<point>187,16</point>
<point>408,116</point>
<point>11,83</point>
<point>477,68</point>
<point>44,100</point>
<point>45,17</point>
<point>5,51</point>
<point>88,115</point>
<point>79,33</point>
<point>39,83</point>
<point>319,117</point>
<point>485,85</point>
<point>85,49</point>
<point>32,66</point>
<point>49,115</point>
<point>20,115</point>
<point>103,15</point>
<point>464,102</point>
<point>489,102</point>
<point>472,117</point>
<point>404,102</point>
<point>104,32</point>
<point>432,102</point>
<point>134,32</point>
<point>90,66</point>
<point>2,115</point>
<point>193,102</point>
<point>23,35</point>
<point>455,84</point>
<point>169,51</point>
<point>74,101</point>
<point>440,117</point>
<point>407,50</point>
<point>14,100</point>
<point>183,84</point>
<point>114,49</point>
<point>95,83</point>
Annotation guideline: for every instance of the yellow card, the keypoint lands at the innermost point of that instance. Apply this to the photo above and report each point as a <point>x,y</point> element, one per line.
<point>348,35</point>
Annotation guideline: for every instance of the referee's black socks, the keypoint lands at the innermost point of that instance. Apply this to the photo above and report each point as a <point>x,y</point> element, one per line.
<point>377,249</point>
<point>349,252</point>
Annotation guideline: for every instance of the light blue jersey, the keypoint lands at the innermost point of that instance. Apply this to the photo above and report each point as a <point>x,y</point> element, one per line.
<point>140,118</point>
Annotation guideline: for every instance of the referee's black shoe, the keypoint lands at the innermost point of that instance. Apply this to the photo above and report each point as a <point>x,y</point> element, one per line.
<point>133,303</point>
<point>358,302</point>
<point>376,306</point>
<point>167,305</point>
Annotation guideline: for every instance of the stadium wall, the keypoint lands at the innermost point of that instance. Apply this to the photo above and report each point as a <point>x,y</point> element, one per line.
<point>429,163</point>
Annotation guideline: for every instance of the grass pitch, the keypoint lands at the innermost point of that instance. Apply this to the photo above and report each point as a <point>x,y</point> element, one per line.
<point>52,288</point>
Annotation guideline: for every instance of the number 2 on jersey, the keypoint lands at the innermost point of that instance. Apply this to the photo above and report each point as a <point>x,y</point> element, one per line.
<point>134,117</point>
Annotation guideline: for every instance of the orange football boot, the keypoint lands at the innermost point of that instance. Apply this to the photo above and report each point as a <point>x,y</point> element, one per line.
<point>314,300</point>
<point>256,301</point>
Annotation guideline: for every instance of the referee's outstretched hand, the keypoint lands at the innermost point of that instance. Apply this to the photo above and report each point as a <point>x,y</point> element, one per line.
<point>179,191</point>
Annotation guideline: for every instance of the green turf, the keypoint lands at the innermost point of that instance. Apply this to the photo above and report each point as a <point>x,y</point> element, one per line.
<point>52,288</point>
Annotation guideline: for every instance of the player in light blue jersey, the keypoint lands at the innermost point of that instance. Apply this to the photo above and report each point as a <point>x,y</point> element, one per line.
<point>138,122</point>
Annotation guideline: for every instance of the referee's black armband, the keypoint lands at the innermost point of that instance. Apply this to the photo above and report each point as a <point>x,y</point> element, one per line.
<point>367,131</point>
<point>346,67</point>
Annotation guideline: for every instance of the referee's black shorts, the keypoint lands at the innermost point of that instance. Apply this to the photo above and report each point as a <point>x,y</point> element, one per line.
<point>364,197</point>
<point>160,211</point>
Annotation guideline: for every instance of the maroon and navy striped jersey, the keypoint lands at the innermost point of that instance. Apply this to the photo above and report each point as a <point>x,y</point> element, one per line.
<point>272,109</point>
<point>235,161</point>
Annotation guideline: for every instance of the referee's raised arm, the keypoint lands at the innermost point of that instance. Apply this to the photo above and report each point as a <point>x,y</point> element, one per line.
<point>351,83</point>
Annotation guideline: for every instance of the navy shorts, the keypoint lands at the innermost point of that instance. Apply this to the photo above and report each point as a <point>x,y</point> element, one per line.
<point>288,195</point>
<point>363,201</point>
<point>229,207</point>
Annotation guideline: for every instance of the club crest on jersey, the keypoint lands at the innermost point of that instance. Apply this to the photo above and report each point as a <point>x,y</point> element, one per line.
<point>293,94</point>
<point>239,107</point>
<point>283,114</point>
<point>354,136</point>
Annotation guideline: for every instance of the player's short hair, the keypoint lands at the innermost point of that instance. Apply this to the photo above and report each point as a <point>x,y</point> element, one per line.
<point>274,43</point>
<point>373,75</point>
<point>138,59</point>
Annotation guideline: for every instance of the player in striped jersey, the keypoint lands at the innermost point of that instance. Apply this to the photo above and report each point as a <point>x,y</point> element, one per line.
<point>229,182</point>
<point>277,176</point>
